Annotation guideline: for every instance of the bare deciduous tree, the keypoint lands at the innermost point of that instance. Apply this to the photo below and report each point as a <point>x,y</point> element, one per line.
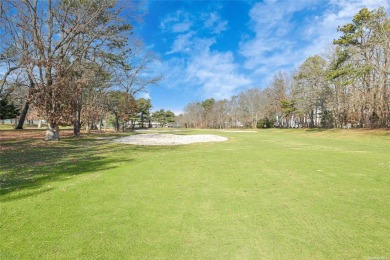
<point>61,35</point>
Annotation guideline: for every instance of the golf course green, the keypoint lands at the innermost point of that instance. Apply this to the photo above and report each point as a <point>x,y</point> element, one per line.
<point>265,194</point>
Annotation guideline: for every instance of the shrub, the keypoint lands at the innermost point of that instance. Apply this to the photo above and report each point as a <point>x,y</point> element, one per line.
<point>265,123</point>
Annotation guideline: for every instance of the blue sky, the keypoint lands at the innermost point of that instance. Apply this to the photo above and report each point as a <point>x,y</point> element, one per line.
<point>216,49</point>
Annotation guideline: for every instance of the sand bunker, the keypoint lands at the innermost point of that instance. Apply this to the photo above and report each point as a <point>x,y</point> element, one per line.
<point>239,131</point>
<point>169,139</point>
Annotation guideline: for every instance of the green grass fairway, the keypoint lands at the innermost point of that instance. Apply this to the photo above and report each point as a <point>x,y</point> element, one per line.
<point>270,194</point>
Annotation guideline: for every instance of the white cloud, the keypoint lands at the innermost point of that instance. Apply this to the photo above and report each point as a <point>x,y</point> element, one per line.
<point>178,22</point>
<point>189,43</point>
<point>182,22</point>
<point>192,63</point>
<point>272,45</point>
<point>348,8</point>
<point>207,73</point>
<point>214,22</point>
<point>288,32</point>
<point>182,43</point>
<point>216,73</point>
<point>324,30</point>
<point>182,27</point>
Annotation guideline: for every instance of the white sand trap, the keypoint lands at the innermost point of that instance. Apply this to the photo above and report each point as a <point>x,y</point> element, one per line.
<point>239,131</point>
<point>169,139</point>
<point>158,130</point>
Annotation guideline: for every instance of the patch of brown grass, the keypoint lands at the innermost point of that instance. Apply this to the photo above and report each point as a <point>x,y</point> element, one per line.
<point>25,134</point>
<point>29,134</point>
<point>352,133</point>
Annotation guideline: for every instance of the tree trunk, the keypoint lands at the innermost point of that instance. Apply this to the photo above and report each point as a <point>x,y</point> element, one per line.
<point>116,122</point>
<point>77,124</point>
<point>87,127</point>
<point>40,123</point>
<point>311,124</point>
<point>52,132</point>
<point>100,125</point>
<point>23,115</point>
<point>76,128</point>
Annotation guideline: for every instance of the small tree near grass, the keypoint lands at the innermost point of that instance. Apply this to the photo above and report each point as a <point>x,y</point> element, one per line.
<point>163,117</point>
<point>123,106</point>
<point>265,123</point>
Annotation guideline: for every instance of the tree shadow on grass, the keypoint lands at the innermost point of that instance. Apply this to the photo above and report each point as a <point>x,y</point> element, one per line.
<point>317,129</point>
<point>28,166</point>
<point>367,131</point>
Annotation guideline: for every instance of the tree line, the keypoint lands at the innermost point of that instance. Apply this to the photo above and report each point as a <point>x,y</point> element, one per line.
<point>349,86</point>
<point>74,62</point>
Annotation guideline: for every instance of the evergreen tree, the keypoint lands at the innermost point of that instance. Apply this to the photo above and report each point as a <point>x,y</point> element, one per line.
<point>7,110</point>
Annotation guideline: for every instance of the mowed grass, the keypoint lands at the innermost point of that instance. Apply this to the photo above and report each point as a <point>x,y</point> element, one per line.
<point>274,193</point>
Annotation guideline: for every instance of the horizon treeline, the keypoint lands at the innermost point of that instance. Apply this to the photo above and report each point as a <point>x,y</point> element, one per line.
<point>349,86</point>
